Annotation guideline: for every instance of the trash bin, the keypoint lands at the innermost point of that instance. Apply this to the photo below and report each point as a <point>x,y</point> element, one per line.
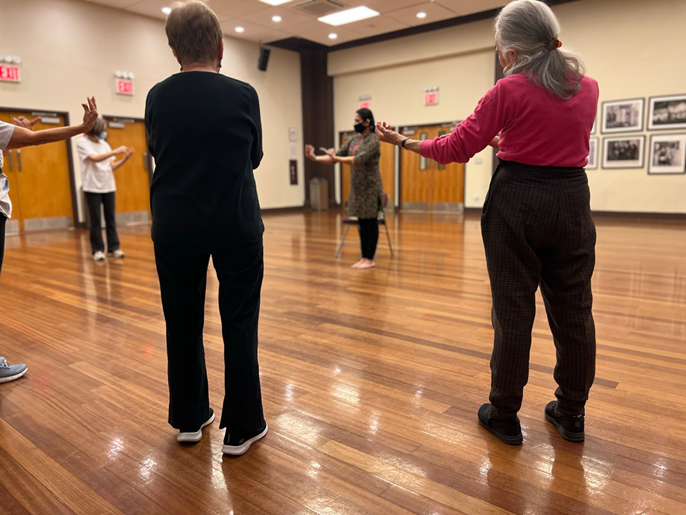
<point>319,194</point>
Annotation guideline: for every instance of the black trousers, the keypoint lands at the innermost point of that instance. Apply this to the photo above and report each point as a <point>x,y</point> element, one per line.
<point>94,200</point>
<point>538,230</point>
<point>182,270</point>
<point>3,223</point>
<point>369,236</point>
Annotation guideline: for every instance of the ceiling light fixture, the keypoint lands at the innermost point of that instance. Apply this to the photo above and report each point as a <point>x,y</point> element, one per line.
<point>277,18</point>
<point>240,29</point>
<point>349,16</point>
<point>166,10</point>
<point>333,35</point>
<point>421,16</point>
<point>275,2</point>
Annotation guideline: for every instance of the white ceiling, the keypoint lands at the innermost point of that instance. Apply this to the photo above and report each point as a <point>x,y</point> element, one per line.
<point>256,17</point>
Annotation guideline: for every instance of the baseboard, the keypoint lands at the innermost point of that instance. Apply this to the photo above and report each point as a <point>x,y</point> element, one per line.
<point>616,215</point>
<point>282,210</point>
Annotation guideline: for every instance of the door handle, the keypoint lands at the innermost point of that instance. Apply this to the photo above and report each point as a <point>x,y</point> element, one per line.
<point>9,155</point>
<point>145,162</point>
<point>19,164</point>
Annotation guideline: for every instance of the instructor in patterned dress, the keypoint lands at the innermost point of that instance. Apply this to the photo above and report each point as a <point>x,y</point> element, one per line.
<point>362,152</point>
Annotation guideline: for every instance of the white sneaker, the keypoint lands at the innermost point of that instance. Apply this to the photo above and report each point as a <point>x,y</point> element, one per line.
<point>116,254</point>
<point>99,256</point>
<point>194,436</point>
<point>235,445</point>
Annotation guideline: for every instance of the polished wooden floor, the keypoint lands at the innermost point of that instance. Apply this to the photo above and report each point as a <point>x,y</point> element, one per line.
<point>371,382</point>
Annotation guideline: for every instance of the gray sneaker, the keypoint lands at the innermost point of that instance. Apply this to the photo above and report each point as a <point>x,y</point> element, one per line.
<point>10,372</point>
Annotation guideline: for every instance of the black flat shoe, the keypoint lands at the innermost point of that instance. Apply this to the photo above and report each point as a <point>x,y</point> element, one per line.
<point>571,428</point>
<point>508,431</point>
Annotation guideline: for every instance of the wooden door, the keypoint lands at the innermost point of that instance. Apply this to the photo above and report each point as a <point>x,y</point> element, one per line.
<point>415,172</point>
<point>133,178</point>
<point>386,169</point>
<point>42,181</point>
<point>425,184</point>
<point>447,183</point>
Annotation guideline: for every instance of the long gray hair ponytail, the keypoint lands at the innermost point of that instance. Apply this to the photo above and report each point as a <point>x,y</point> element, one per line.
<point>530,28</point>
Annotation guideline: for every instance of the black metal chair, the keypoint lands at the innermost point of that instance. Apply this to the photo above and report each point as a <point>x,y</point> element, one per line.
<point>350,221</point>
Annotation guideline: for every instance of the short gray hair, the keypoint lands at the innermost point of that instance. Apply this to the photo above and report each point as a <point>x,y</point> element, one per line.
<point>98,127</point>
<point>530,28</point>
<point>194,32</point>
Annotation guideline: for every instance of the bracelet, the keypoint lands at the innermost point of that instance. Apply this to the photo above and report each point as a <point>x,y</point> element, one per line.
<point>404,142</point>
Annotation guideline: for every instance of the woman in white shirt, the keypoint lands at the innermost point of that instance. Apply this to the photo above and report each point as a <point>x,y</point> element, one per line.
<point>98,164</point>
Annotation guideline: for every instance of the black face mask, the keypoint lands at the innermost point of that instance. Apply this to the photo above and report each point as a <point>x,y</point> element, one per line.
<point>360,127</point>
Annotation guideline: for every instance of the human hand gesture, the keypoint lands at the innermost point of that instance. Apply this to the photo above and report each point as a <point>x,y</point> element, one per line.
<point>121,150</point>
<point>309,152</point>
<point>90,114</point>
<point>25,123</point>
<point>330,152</point>
<point>386,134</point>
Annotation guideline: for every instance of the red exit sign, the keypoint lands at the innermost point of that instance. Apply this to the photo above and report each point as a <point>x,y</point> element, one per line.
<point>364,105</point>
<point>431,99</point>
<point>9,73</point>
<point>124,87</point>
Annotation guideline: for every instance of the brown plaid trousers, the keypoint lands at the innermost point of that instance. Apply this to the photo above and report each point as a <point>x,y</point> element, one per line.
<point>537,230</point>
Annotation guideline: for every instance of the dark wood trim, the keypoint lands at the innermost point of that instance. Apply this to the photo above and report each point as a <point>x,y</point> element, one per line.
<point>318,116</point>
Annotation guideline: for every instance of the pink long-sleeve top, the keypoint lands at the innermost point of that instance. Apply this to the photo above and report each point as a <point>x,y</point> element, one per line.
<point>536,127</point>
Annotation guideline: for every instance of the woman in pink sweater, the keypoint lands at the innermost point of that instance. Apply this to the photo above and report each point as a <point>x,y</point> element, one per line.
<point>536,221</point>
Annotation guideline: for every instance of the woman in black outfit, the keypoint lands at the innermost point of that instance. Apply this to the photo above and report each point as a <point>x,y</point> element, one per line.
<point>206,137</point>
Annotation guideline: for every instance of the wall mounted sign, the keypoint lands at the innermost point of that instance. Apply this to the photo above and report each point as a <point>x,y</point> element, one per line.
<point>9,73</point>
<point>124,87</point>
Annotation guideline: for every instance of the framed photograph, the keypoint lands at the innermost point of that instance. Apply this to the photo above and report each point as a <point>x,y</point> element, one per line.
<point>623,152</point>
<point>667,154</point>
<point>622,116</point>
<point>667,113</point>
<point>593,154</point>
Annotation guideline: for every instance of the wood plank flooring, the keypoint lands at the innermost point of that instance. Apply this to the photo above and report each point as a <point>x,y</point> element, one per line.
<point>371,382</point>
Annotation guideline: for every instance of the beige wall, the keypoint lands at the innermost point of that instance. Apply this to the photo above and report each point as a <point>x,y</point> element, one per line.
<point>70,49</point>
<point>632,47</point>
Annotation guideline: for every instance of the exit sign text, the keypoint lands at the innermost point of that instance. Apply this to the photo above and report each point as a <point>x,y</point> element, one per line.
<point>365,104</point>
<point>124,87</point>
<point>431,99</point>
<point>9,73</point>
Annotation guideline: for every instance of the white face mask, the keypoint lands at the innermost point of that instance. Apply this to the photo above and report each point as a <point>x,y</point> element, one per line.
<point>102,136</point>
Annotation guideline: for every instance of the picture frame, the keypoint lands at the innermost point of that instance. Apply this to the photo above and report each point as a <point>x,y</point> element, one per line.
<point>593,148</point>
<point>622,116</point>
<point>667,154</point>
<point>667,112</point>
<point>624,152</point>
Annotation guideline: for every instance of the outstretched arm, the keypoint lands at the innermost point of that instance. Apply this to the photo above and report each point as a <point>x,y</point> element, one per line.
<point>25,137</point>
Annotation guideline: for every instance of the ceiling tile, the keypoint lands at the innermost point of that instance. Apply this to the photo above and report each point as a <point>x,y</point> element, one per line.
<point>236,8</point>
<point>434,13</point>
<point>117,4</point>
<point>289,17</point>
<point>385,6</point>
<point>150,8</point>
<point>465,7</point>
<point>378,25</point>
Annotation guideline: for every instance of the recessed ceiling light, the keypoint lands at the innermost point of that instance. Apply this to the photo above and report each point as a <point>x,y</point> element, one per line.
<point>333,35</point>
<point>166,10</point>
<point>240,29</point>
<point>275,2</point>
<point>421,16</point>
<point>276,18</point>
<point>349,16</point>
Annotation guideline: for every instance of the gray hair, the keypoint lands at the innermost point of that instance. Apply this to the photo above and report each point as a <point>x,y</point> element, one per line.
<point>98,127</point>
<point>530,28</point>
<point>193,30</point>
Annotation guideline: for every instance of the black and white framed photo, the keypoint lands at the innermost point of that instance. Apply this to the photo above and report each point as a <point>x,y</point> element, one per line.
<point>623,152</point>
<point>593,145</point>
<point>622,116</point>
<point>667,154</point>
<point>667,113</point>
